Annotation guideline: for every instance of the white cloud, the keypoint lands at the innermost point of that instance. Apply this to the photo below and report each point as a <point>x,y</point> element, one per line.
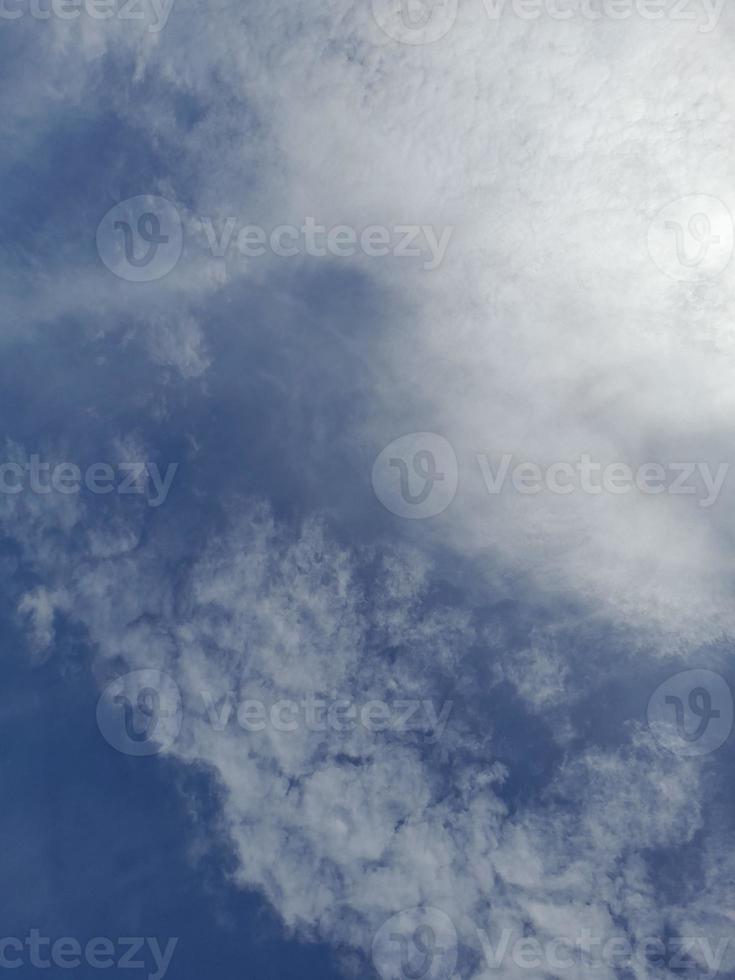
<point>547,332</point>
<point>337,829</point>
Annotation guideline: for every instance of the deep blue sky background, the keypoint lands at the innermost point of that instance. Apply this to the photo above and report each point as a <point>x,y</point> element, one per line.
<point>99,844</point>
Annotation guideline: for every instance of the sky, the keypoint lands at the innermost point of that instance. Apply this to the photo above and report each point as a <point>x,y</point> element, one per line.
<point>366,522</point>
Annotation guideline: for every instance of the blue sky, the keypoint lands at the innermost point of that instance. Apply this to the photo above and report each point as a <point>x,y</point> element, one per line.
<point>387,351</point>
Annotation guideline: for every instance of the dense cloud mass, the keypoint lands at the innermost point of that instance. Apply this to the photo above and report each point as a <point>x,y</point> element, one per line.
<point>252,559</point>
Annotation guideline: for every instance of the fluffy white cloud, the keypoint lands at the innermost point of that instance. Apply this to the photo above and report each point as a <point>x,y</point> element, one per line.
<point>340,829</point>
<point>547,332</point>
